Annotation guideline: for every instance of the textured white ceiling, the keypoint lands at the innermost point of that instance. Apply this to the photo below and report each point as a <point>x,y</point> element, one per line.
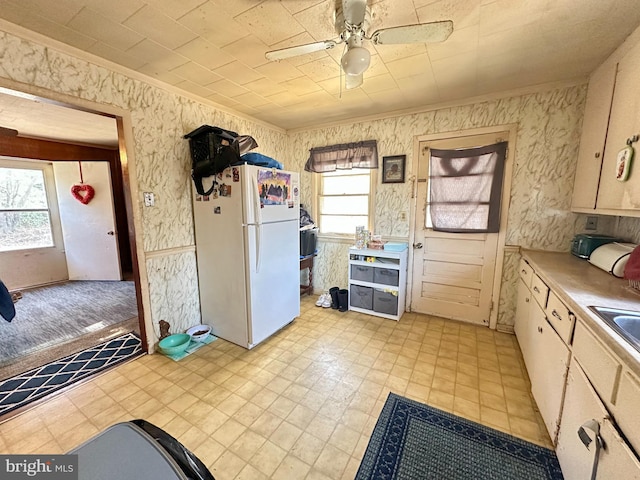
<point>215,49</point>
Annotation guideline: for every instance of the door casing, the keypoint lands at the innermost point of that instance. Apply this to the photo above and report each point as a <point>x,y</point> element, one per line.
<point>510,136</point>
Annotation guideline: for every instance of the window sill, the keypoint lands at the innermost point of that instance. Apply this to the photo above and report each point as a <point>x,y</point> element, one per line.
<point>335,238</point>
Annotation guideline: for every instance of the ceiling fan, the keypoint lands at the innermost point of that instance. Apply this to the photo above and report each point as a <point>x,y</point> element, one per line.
<point>352,20</point>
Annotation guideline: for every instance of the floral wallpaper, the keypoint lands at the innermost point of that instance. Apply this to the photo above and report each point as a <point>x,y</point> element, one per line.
<point>162,163</point>
<point>548,134</point>
<point>547,140</point>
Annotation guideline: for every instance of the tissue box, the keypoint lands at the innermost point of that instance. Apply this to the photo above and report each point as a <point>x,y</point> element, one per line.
<point>396,246</point>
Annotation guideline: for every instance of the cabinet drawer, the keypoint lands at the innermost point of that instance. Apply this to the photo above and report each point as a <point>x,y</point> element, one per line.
<point>385,302</point>
<point>362,273</point>
<point>602,368</point>
<point>386,276</point>
<point>361,297</point>
<point>626,408</point>
<point>526,272</point>
<point>560,317</point>
<point>539,290</point>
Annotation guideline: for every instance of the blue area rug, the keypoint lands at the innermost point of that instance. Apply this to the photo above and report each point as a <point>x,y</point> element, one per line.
<point>18,391</point>
<point>412,440</point>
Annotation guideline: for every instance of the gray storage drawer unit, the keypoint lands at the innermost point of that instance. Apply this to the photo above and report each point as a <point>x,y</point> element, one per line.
<point>386,276</point>
<point>361,297</point>
<point>385,302</point>
<point>362,273</point>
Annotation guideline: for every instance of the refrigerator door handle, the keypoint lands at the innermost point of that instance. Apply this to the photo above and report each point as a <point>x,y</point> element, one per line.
<point>258,249</point>
<point>258,216</point>
<point>256,199</point>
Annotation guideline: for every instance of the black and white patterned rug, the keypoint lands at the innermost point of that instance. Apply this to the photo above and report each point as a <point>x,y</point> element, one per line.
<point>413,440</point>
<point>18,391</point>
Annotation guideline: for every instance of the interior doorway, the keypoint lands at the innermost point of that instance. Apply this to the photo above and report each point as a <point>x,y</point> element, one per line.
<point>457,275</point>
<point>48,131</point>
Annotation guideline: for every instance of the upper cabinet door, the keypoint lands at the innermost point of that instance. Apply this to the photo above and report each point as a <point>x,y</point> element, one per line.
<point>594,132</point>
<point>625,123</point>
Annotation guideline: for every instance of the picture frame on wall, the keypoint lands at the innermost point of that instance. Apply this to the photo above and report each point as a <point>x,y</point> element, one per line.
<point>393,169</point>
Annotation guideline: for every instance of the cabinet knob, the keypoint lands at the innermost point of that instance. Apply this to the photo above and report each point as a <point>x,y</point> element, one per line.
<point>526,300</point>
<point>556,314</point>
<point>536,289</point>
<point>597,155</point>
<point>539,329</point>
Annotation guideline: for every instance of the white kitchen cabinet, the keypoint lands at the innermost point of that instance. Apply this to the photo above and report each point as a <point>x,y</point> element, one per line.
<point>625,409</point>
<point>544,350</point>
<point>602,367</point>
<point>377,282</point>
<point>623,124</point>
<point>521,326</point>
<point>616,460</point>
<point>547,367</point>
<point>594,131</point>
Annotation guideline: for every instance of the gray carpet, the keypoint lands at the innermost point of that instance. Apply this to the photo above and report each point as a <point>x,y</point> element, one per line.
<point>51,315</point>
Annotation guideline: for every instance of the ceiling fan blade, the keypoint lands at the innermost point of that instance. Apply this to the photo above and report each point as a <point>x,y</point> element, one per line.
<point>354,11</point>
<point>300,50</point>
<point>432,32</point>
<point>353,81</point>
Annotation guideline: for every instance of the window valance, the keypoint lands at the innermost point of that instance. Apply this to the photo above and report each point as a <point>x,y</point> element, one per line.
<point>343,157</point>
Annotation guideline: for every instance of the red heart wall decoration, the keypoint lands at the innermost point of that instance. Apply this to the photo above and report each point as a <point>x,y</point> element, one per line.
<point>83,193</point>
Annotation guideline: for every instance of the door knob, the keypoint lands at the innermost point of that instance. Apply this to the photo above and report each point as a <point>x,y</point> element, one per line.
<point>417,246</point>
<point>111,233</point>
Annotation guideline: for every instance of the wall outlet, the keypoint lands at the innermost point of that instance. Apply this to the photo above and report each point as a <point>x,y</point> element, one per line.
<point>403,216</point>
<point>149,199</point>
<point>592,223</point>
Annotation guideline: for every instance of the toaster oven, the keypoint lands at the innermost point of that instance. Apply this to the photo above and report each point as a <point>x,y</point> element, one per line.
<point>584,243</point>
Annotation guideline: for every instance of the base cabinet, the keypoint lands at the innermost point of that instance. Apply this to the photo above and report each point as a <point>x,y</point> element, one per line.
<point>545,354</point>
<point>616,460</point>
<point>548,365</point>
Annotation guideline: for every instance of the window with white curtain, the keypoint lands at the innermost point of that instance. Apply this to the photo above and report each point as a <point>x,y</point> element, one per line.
<point>465,189</point>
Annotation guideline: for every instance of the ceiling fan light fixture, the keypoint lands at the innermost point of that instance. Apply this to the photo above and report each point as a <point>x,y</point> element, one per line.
<point>356,60</point>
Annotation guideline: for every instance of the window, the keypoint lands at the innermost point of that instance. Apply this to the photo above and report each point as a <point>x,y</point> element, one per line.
<point>345,200</point>
<point>25,219</point>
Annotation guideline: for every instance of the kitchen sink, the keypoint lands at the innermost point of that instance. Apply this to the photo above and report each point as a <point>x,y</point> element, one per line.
<point>624,322</point>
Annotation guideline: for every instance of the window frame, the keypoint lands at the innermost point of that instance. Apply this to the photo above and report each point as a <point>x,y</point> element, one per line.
<point>46,168</point>
<point>317,193</point>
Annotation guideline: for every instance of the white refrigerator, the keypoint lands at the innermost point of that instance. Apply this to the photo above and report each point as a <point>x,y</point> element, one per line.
<point>248,252</point>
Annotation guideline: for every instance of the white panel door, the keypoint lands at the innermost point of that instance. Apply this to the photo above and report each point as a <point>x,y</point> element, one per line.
<point>453,273</point>
<point>89,231</point>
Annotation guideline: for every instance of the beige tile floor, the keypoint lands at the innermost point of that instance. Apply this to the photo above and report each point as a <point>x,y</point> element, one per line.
<point>303,404</point>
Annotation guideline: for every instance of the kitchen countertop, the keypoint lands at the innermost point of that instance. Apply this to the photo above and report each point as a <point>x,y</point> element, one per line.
<point>579,284</point>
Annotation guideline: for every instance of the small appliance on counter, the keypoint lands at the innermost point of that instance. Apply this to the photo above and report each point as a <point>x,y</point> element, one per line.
<point>584,243</point>
<point>612,257</point>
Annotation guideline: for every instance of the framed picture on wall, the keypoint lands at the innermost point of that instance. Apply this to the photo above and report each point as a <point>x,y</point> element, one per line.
<point>393,169</point>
